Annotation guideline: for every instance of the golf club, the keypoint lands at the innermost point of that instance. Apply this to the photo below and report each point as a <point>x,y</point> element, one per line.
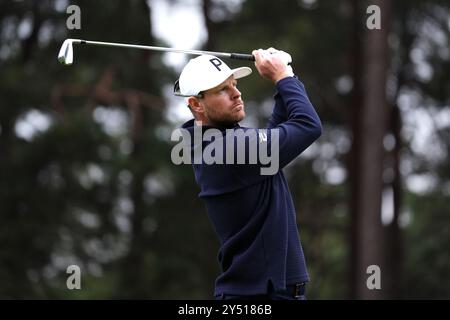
<point>65,55</point>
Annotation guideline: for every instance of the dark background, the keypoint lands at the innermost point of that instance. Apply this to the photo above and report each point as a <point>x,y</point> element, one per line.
<point>86,176</point>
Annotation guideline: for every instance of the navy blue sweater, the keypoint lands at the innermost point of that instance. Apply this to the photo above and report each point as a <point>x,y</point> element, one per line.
<point>253,214</point>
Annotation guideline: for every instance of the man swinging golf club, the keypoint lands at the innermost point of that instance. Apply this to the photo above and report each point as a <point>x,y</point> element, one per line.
<point>261,256</point>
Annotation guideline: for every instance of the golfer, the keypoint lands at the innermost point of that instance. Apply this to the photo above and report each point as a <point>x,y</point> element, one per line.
<point>253,214</point>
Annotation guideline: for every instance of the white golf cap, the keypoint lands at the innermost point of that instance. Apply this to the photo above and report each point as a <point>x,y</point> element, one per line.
<point>203,73</point>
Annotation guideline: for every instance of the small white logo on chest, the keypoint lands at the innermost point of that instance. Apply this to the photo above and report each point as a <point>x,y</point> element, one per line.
<point>262,136</point>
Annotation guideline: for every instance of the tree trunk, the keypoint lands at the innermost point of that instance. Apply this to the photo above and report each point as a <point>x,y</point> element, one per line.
<point>133,264</point>
<point>209,25</point>
<point>369,174</point>
<point>394,243</point>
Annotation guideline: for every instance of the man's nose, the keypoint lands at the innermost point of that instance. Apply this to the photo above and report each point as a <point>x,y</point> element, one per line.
<point>235,93</point>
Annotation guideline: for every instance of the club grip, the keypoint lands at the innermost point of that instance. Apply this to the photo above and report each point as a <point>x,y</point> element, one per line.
<point>240,56</point>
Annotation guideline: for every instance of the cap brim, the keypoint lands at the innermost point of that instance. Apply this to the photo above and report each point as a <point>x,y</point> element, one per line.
<point>241,72</point>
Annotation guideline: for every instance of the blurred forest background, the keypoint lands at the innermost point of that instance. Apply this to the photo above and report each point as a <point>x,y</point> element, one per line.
<point>85,170</point>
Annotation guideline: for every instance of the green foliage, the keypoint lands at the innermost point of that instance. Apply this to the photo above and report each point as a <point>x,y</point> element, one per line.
<point>322,218</point>
<point>74,194</point>
<point>426,239</point>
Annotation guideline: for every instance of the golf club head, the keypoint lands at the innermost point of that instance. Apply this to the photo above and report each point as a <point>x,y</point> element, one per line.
<point>65,55</point>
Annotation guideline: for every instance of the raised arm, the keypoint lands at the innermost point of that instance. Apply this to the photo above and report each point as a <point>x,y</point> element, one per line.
<point>294,116</point>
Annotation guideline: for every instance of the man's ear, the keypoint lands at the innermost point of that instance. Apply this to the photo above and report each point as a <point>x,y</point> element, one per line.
<point>195,105</point>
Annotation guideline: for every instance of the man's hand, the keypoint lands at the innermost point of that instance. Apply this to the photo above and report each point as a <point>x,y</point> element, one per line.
<point>272,64</point>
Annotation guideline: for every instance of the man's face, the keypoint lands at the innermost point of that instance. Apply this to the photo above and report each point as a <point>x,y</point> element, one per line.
<point>222,105</point>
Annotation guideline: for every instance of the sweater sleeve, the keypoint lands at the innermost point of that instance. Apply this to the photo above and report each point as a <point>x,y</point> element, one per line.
<point>301,125</point>
<point>278,113</point>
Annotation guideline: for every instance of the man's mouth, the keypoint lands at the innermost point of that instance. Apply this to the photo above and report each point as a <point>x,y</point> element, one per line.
<point>238,107</point>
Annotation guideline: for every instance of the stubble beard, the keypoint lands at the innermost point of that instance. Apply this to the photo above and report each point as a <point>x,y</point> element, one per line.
<point>229,119</point>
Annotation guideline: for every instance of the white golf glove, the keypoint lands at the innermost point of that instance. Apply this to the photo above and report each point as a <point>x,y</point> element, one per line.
<point>285,57</point>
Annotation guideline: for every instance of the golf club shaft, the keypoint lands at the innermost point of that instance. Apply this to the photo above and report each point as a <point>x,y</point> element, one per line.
<point>238,56</point>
